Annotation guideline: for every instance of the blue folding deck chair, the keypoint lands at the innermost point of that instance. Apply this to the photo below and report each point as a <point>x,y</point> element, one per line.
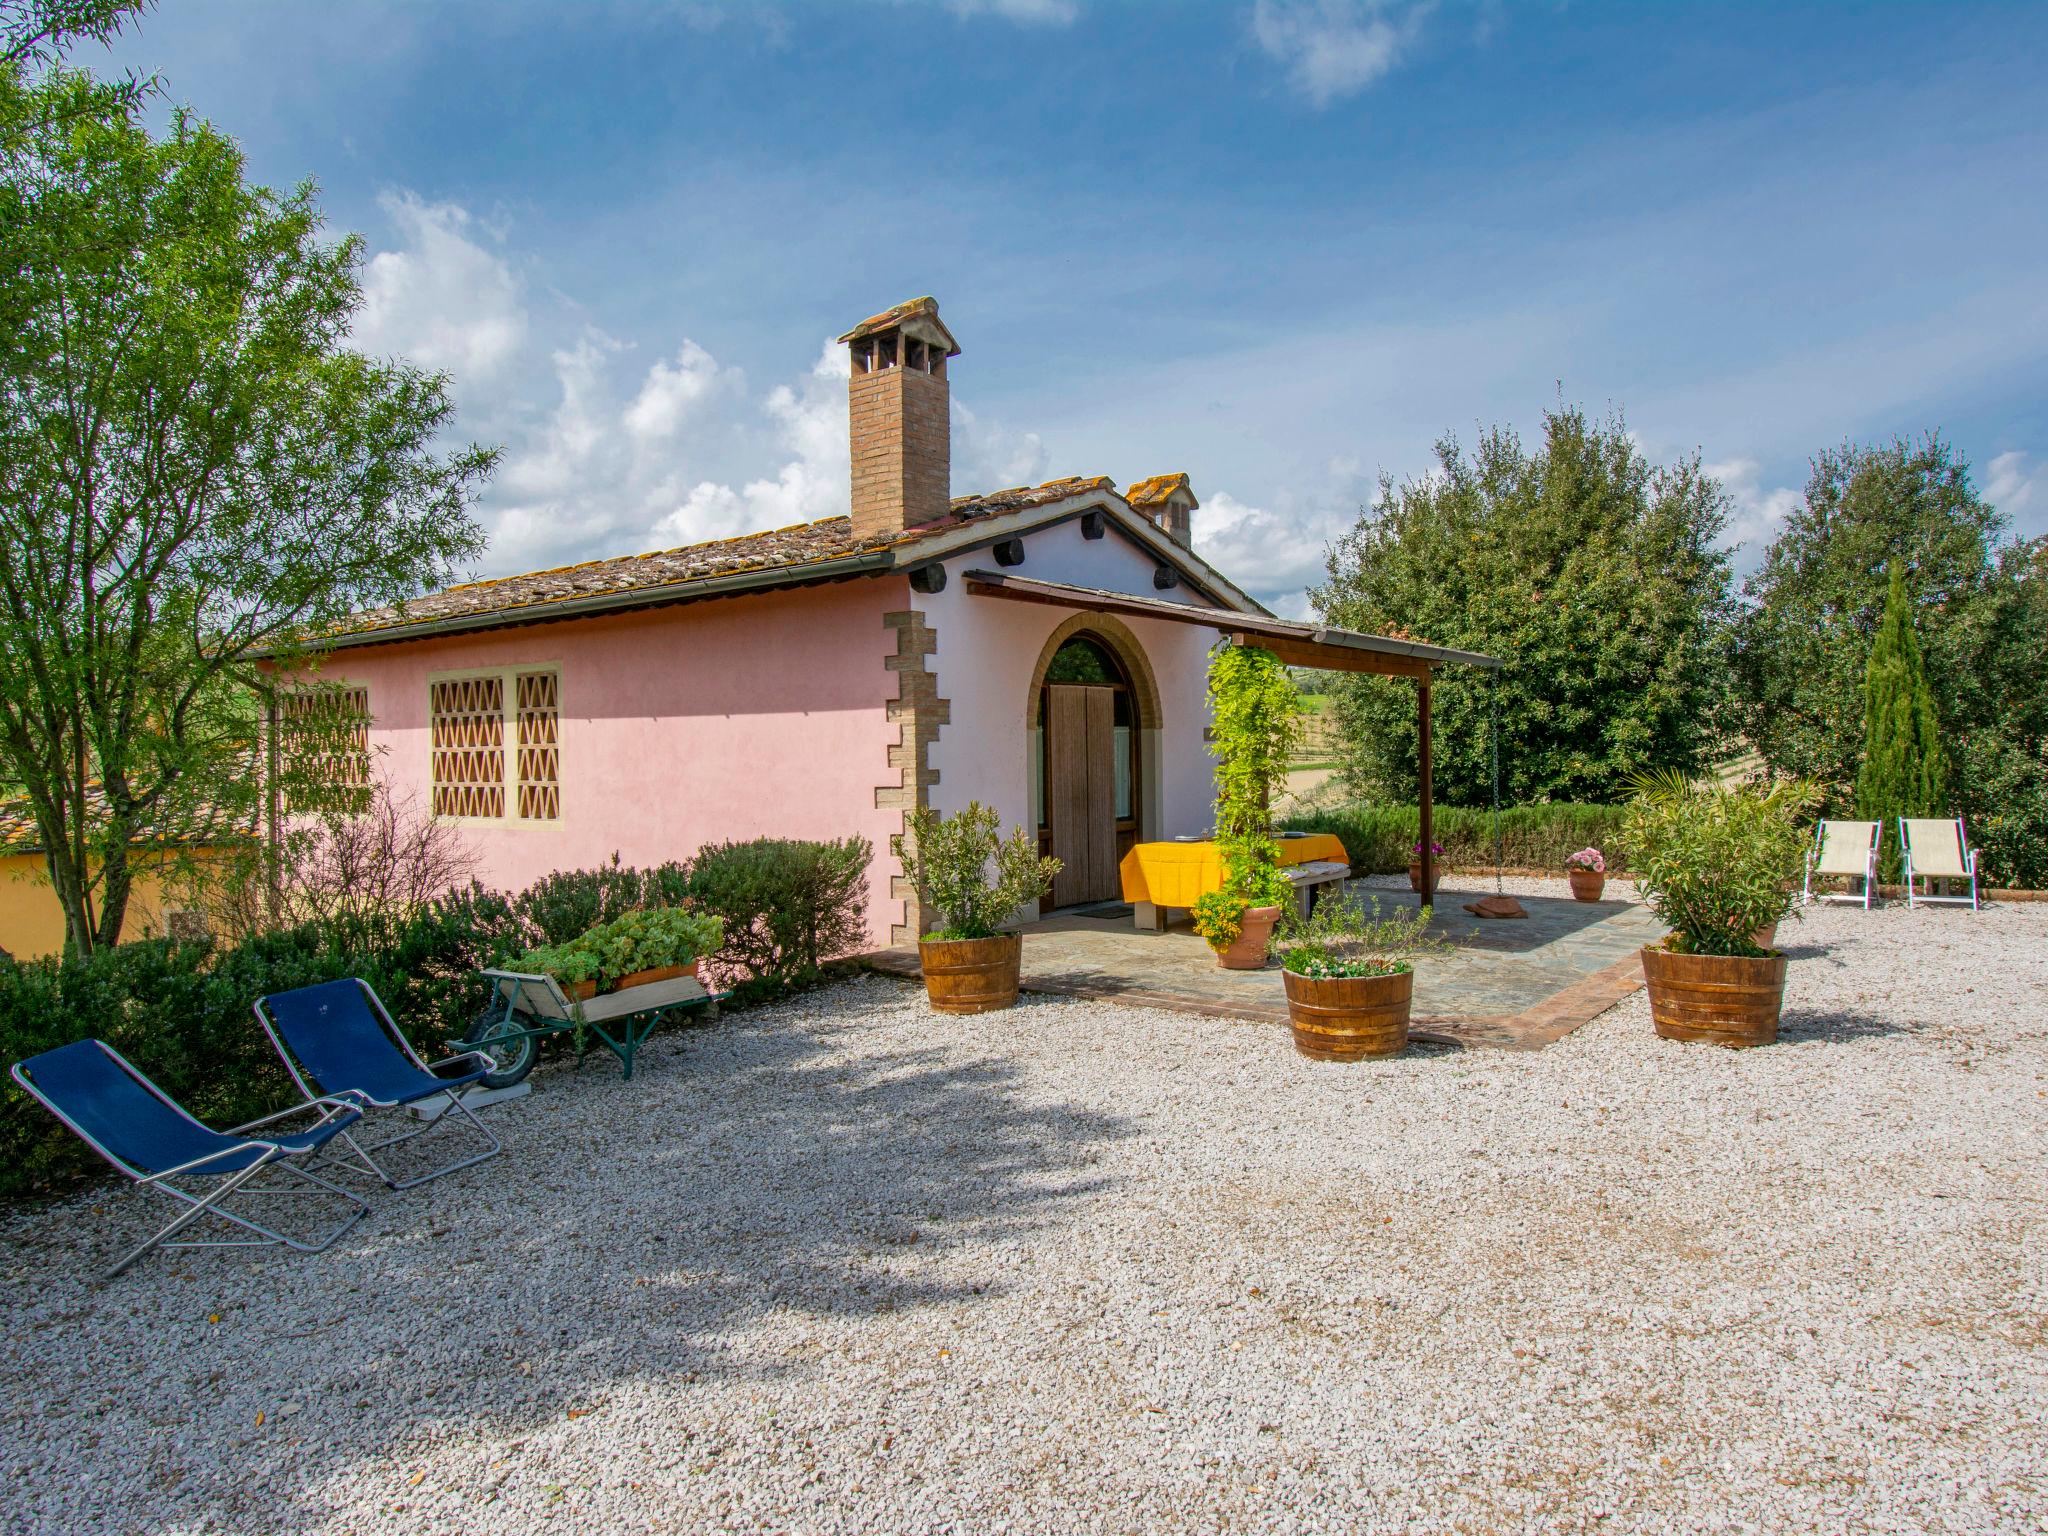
<point>339,1038</point>
<point>134,1125</point>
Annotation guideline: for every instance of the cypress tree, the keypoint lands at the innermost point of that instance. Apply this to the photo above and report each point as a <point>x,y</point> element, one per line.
<point>1905,770</point>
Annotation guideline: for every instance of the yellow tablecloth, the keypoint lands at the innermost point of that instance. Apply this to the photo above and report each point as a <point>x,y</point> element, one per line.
<point>1175,874</point>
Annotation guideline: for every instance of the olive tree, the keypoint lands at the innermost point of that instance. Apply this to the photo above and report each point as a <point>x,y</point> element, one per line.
<point>197,473</point>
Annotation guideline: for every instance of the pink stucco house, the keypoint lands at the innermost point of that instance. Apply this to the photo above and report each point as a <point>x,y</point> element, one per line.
<point>1040,649</point>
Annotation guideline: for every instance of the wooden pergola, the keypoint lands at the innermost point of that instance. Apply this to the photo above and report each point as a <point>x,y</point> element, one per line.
<point>1297,644</point>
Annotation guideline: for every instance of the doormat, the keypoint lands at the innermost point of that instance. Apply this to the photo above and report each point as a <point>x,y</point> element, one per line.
<point>1108,911</point>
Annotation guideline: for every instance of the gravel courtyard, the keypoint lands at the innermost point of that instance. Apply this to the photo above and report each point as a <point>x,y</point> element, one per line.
<point>849,1265</point>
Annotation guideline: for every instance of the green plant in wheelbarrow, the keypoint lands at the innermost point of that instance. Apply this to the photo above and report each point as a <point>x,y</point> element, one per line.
<point>1719,863</point>
<point>644,945</point>
<point>1350,976</point>
<point>969,882</point>
<point>648,944</point>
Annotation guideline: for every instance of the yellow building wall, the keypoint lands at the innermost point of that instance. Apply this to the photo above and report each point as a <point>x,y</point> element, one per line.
<point>31,922</point>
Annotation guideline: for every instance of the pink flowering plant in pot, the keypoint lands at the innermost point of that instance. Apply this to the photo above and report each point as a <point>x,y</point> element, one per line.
<point>1587,871</point>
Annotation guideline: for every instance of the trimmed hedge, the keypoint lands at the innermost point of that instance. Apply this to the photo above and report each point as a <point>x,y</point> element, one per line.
<point>1380,839</point>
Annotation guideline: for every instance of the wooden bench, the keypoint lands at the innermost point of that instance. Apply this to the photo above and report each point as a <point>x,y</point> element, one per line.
<point>1305,878</point>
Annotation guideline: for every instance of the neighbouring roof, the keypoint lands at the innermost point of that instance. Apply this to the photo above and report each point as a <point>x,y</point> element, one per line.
<point>18,832</point>
<point>919,316</point>
<point>802,552</point>
<point>1158,490</point>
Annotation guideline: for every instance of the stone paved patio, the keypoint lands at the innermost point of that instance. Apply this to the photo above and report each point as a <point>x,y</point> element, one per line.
<point>1513,985</point>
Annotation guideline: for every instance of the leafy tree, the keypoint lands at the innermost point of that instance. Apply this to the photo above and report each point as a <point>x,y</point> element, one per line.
<point>1593,575</point>
<point>196,473</point>
<point>1904,771</point>
<point>1813,607</point>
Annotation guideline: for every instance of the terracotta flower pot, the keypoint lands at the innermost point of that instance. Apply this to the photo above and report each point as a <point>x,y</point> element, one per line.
<point>1765,937</point>
<point>1247,952</point>
<point>1348,1018</point>
<point>1718,999</point>
<point>1587,884</point>
<point>584,991</point>
<point>657,973</point>
<point>1415,876</point>
<point>971,975</point>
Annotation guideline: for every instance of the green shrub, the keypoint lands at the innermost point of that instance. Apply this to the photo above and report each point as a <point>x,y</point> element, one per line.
<point>1380,839</point>
<point>180,1012</point>
<point>968,878</point>
<point>571,902</point>
<point>1718,862</point>
<point>788,906</point>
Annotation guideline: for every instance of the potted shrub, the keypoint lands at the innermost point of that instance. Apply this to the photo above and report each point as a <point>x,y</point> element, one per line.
<point>1720,865</point>
<point>1350,978</point>
<point>643,945</point>
<point>968,882</point>
<point>1436,870</point>
<point>1587,871</point>
<point>1256,710</point>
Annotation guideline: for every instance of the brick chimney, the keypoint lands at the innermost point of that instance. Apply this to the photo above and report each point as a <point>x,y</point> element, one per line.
<point>899,419</point>
<point>1167,500</point>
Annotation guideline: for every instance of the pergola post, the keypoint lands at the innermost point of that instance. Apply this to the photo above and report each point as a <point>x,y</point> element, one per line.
<point>1424,769</point>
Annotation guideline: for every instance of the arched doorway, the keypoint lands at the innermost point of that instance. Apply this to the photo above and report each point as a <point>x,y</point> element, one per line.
<point>1090,771</point>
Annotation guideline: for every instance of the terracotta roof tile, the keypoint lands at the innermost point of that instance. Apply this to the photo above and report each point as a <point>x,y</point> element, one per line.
<point>895,316</point>
<point>789,549</point>
<point>1156,490</point>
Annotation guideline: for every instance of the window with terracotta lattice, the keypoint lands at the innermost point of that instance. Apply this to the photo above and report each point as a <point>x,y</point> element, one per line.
<point>327,730</point>
<point>469,747</point>
<point>540,793</point>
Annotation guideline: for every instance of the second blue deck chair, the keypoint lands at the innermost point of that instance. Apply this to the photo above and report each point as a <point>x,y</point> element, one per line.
<point>137,1127</point>
<point>339,1038</point>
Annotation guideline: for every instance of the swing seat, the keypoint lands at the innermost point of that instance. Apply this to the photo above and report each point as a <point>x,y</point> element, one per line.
<point>1496,906</point>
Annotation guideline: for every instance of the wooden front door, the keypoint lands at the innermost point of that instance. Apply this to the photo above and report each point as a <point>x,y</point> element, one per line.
<point>1080,791</point>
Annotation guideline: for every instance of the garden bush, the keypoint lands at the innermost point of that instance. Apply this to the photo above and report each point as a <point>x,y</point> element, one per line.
<point>181,1011</point>
<point>570,902</point>
<point>788,906</point>
<point>1380,839</point>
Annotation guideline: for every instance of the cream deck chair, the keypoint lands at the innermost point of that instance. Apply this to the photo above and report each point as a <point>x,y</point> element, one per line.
<point>1844,848</point>
<point>1938,850</point>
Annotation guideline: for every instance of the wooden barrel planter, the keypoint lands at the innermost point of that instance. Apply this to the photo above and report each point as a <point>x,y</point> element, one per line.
<point>971,975</point>
<point>1587,884</point>
<point>1247,952</point>
<point>1716,999</point>
<point>1348,1018</point>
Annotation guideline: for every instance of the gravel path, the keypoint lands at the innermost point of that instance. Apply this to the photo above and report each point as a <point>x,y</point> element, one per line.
<point>851,1266</point>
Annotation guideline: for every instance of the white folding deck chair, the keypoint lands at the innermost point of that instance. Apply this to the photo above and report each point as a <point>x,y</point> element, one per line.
<point>1938,850</point>
<point>1844,848</point>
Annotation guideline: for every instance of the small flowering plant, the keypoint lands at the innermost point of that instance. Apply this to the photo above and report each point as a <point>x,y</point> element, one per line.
<point>1434,849</point>
<point>1590,859</point>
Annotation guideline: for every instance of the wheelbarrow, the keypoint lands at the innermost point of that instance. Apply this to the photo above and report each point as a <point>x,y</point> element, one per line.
<point>525,1008</point>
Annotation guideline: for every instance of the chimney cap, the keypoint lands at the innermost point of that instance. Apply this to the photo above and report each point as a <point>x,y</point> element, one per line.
<point>917,317</point>
<point>1161,490</point>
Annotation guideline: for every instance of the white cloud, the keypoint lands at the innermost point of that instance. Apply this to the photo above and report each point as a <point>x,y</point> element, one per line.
<point>1758,514</point>
<point>1056,13</point>
<point>670,391</point>
<point>988,456</point>
<point>1334,48</point>
<point>441,299</point>
<point>1274,555</point>
<point>2015,490</point>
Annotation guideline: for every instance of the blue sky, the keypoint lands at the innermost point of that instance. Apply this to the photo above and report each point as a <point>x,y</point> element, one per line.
<point>1281,244</point>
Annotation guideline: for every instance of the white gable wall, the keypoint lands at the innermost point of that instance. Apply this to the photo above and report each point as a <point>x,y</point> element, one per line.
<point>988,649</point>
